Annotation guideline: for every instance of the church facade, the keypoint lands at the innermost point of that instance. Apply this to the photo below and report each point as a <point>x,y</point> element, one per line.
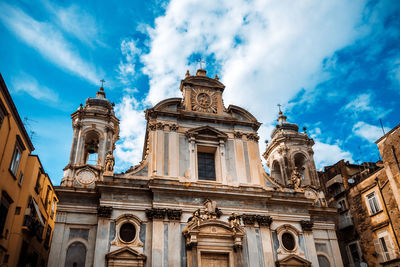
<point>199,197</point>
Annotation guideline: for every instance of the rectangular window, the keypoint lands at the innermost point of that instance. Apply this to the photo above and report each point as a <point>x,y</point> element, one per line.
<point>354,253</point>
<point>47,239</point>
<point>206,166</point>
<point>342,206</point>
<point>21,178</point>
<point>384,248</point>
<point>5,203</point>
<point>16,158</point>
<point>373,203</point>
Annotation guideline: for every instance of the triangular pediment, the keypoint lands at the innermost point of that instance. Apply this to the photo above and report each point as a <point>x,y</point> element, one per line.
<point>293,261</point>
<point>125,253</point>
<point>207,131</point>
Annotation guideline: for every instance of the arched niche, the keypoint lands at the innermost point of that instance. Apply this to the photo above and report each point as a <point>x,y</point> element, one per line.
<point>91,147</point>
<point>301,164</point>
<point>276,171</point>
<point>76,255</point>
<point>213,243</point>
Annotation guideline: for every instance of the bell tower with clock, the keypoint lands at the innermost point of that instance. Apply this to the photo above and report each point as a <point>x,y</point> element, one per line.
<point>96,130</point>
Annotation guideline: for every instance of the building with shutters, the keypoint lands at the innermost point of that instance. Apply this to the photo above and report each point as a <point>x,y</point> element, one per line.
<point>28,201</point>
<point>368,201</point>
<point>199,197</point>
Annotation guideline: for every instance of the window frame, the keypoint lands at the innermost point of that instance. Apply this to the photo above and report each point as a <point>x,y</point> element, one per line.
<point>206,159</point>
<point>373,203</point>
<point>5,202</point>
<point>15,160</point>
<point>349,254</point>
<point>384,240</point>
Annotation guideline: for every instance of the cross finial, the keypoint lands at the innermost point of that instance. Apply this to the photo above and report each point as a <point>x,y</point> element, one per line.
<point>279,106</point>
<point>200,60</point>
<point>102,82</point>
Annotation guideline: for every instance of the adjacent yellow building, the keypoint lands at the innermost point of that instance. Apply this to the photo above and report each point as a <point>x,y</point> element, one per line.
<point>28,201</point>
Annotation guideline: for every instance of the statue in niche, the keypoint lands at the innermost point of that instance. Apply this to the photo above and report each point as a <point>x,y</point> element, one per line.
<point>295,179</point>
<point>109,166</point>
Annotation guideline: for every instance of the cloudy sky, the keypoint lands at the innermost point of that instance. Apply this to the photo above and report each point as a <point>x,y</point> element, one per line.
<point>333,65</point>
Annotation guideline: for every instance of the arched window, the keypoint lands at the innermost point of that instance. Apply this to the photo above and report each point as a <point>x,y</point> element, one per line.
<point>276,171</point>
<point>76,255</point>
<point>323,261</point>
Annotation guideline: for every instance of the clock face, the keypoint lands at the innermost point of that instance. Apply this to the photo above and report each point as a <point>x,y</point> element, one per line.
<point>310,194</point>
<point>86,177</point>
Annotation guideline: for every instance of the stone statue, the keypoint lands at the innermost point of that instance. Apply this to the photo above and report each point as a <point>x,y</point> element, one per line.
<point>295,179</point>
<point>210,209</point>
<point>195,218</point>
<point>109,167</point>
<point>234,220</point>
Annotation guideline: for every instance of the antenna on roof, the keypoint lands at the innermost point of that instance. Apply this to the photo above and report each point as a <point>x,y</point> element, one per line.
<point>383,129</point>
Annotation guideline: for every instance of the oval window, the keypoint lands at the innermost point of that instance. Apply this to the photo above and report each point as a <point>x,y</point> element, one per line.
<point>127,232</point>
<point>288,241</point>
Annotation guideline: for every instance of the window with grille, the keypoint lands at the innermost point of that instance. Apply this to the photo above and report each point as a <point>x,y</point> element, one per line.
<point>373,203</point>
<point>206,166</point>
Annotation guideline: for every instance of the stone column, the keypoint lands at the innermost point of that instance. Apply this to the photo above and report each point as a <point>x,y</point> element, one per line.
<point>337,257</point>
<point>223,161</point>
<point>173,153</point>
<point>157,237</point>
<point>309,242</point>
<point>57,241</point>
<point>102,235</point>
<point>266,238</point>
<point>192,158</point>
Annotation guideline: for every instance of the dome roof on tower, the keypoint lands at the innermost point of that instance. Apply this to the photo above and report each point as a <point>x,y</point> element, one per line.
<point>284,126</point>
<point>99,101</point>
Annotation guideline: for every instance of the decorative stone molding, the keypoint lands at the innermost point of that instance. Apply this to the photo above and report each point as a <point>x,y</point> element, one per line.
<point>155,213</point>
<point>173,127</point>
<point>306,226</point>
<point>264,220</point>
<point>104,211</point>
<point>174,214</point>
<point>163,126</point>
<point>250,219</point>
<point>238,134</point>
<point>253,137</point>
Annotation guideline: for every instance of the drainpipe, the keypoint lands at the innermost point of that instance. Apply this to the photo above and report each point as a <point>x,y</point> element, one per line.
<point>387,212</point>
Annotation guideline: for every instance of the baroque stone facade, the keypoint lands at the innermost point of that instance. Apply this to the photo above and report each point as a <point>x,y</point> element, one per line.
<point>199,197</point>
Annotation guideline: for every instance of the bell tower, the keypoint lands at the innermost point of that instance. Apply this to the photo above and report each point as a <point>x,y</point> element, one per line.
<point>96,130</point>
<point>289,155</point>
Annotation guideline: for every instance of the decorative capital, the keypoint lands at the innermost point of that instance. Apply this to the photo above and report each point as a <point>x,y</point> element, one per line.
<point>238,134</point>
<point>252,136</point>
<point>264,220</point>
<point>248,219</point>
<point>152,127</point>
<point>104,211</point>
<point>155,213</point>
<point>173,127</point>
<point>174,214</point>
<point>306,225</point>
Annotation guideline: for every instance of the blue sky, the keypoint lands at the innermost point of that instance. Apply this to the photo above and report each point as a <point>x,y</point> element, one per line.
<point>333,65</point>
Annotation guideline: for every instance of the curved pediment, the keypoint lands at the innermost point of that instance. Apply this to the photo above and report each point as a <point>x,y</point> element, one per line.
<point>200,80</point>
<point>241,114</point>
<point>168,105</point>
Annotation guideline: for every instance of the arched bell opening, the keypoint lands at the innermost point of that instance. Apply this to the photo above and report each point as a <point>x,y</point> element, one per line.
<point>91,148</point>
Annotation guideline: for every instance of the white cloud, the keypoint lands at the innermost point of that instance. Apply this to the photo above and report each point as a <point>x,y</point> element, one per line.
<point>28,84</point>
<point>368,131</point>
<point>281,48</point>
<point>76,22</point>
<point>327,154</point>
<point>48,41</point>
<point>126,67</point>
<point>362,104</point>
<point>132,131</point>
<point>268,50</point>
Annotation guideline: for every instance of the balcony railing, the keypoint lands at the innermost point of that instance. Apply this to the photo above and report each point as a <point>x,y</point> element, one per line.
<point>33,227</point>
